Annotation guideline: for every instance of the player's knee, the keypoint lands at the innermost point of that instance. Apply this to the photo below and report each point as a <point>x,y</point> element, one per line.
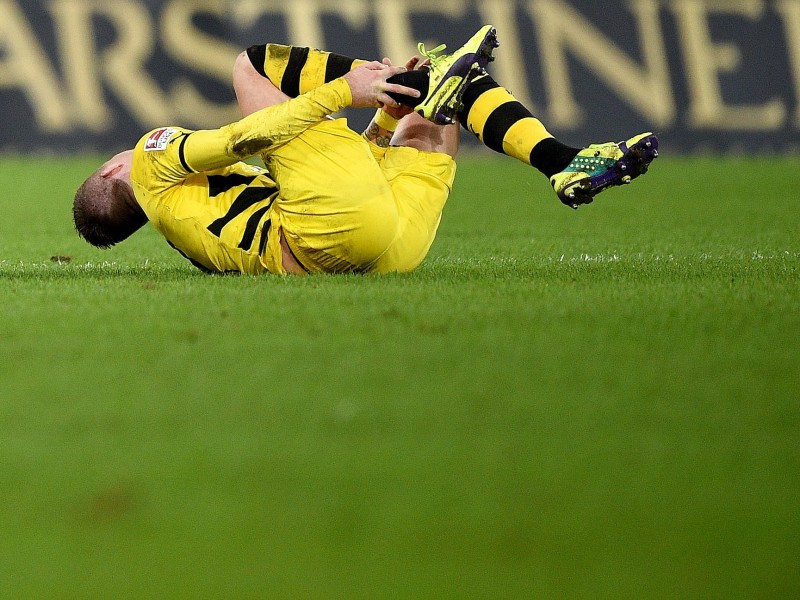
<point>249,67</point>
<point>243,70</point>
<point>416,132</point>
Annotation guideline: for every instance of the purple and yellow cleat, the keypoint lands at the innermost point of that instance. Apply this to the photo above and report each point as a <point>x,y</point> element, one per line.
<point>601,166</point>
<point>450,74</point>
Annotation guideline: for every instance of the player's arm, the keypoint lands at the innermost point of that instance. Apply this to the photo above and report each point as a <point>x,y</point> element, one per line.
<point>381,128</point>
<point>273,126</point>
<point>270,126</point>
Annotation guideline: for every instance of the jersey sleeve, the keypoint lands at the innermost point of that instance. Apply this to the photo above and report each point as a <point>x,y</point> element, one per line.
<point>157,162</point>
<point>168,155</point>
<point>265,129</point>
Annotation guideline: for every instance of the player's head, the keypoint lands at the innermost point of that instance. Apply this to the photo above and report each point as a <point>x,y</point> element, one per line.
<point>105,210</point>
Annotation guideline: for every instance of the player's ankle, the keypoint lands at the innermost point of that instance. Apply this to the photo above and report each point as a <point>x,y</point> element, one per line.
<point>417,79</point>
<point>551,156</point>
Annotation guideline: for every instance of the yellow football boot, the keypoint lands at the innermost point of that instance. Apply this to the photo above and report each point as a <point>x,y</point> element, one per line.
<point>450,74</point>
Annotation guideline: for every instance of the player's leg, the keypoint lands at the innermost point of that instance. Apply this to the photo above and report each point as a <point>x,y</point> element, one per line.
<point>488,110</point>
<point>253,91</point>
<point>337,212</point>
<point>503,124</point>
<point>334,212</point>
<point>414,131</point>
<point>297,70</point>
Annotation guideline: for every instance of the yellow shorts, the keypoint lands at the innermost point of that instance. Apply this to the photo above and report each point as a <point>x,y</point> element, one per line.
<point>341,210</point>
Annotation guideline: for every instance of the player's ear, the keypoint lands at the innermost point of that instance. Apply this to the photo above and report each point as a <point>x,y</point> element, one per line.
<point>115,164</point>
<point>108,169</point>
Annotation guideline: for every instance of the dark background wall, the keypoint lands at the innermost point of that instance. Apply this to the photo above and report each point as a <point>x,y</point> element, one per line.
<point>93,75</point>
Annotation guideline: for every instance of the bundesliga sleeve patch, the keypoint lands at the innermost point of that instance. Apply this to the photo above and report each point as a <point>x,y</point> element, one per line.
<point>159,139</point>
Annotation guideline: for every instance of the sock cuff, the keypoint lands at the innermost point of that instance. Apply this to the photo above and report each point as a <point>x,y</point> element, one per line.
<point>551,156</point>
<point>258,56</point>
<point>385,121</point>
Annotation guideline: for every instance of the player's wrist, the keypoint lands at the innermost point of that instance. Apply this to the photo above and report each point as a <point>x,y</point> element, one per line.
<point>385,121</point>
<point>381,129</point>
<point>345,91</point>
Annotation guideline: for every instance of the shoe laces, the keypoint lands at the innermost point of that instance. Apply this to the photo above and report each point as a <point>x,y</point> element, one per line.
<point>434,54</point>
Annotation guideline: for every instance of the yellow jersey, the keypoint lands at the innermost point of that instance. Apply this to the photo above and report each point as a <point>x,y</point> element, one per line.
<point>217,219</point>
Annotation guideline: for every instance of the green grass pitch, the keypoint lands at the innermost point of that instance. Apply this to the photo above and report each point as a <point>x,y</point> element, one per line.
<point>602,403</point>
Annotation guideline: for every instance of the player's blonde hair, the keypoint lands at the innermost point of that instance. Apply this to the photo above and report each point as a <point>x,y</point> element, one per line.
<point>105,211</point>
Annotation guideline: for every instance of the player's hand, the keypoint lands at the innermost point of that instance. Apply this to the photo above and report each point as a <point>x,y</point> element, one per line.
<point>369,87</point>
<point>416,63</point>
<point>400,110</point>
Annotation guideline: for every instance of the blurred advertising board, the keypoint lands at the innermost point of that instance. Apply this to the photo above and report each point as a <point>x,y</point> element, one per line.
<point>93,75</point>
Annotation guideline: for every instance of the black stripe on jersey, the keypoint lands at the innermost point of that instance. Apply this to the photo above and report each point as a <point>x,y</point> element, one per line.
<point>245,200</point>
<point>337,66</point>
<point>500,121</point>
<point>191,260</point>
<point>262,243</point>
<point>472,93</point>
<point>290,82</point>
<point>182,155</point>
<point>219,184</point>
<point>252,227</point>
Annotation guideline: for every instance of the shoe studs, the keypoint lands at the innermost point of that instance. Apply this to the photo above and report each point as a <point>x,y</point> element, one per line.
<point>478,70</point>
<point>492,38</point>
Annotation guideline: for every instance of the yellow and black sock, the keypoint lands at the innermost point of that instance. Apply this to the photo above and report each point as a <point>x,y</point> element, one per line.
<point>503,124</point>
<point>296,70</point>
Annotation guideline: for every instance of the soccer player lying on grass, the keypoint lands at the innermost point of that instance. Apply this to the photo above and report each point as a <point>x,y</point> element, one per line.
<point>331,200</point>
